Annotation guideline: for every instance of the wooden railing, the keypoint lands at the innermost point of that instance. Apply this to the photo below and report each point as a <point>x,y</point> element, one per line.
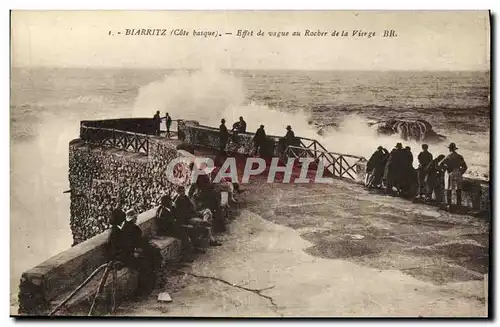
<point>337,163</point>
<point>114,138</point>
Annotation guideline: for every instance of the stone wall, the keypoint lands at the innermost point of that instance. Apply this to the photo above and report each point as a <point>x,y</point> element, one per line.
<point>47,284</point>
<point>99,178</point>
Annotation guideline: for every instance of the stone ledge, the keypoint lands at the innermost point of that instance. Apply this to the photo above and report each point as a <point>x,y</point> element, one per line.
<point>65,271</point>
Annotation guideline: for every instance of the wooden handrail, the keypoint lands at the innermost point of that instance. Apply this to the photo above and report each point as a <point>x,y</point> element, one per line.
<point>116,138</point>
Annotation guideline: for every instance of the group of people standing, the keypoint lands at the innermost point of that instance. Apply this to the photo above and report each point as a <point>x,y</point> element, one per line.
<point>260,140</point>
<point>157,122</point>
<point>432,177</point>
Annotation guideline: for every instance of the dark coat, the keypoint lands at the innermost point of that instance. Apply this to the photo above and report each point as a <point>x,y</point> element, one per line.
<point>122,242</point>
<point>260,136</point>
<point>424,159</point>
<point>183,209</point>
<point>377,160</point>
<point>223,133</point>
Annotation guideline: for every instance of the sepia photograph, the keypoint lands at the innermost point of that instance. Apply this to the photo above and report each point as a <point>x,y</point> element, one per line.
<point>250,164</point>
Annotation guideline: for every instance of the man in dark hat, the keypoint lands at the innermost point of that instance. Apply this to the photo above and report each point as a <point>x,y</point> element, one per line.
<point>454,167</point>
<point>424,159</point>
<point>392,173</point>
<point>223,136</point>
<point>288,140</point>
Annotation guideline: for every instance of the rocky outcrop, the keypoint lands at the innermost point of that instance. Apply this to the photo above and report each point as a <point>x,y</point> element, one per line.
<point>416,130</point>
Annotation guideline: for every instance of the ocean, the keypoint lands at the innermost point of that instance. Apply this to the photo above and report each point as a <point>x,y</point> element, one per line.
<point>47,105</point>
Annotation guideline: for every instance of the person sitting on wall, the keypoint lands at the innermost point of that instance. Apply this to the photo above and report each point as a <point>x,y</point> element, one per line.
<point>170,225</point>
<point>157,122</point>
<point>185,210</point>
<point>207,203</point>
<point>144,257</point>
<point>259,139</point>
<point>114,248</point>
<point>240,126</point>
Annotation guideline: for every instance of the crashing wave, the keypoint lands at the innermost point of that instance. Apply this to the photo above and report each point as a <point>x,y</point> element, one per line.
<point>416,130</point>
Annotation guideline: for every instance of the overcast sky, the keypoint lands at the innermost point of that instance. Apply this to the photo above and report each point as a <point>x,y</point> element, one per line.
<point>426,40</point>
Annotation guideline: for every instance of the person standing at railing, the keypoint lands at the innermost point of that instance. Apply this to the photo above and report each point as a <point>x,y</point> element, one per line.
<point>375,167</point>
<point>259,139</point>
<point>393,169</point>
<point>288,140</point>
<point>157,122</point>
<point>223,136</point>
<point>168,123</point>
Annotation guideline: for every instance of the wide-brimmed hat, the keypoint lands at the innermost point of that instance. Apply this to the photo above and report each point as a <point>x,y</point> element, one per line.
<point>288,127</point>
<point>452,146</point>
<point>399,145</point>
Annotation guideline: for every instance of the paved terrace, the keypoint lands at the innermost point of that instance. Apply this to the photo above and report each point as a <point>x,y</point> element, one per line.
<point>332,250</point>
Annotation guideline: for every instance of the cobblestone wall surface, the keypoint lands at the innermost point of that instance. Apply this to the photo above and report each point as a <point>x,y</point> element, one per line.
<point>99,178</point>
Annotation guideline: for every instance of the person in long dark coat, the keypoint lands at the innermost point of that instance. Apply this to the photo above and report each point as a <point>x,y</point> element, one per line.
<point>168,123</point>
<point>407,178</point>
<point>157,122</point>
<point>223,136</point>
<point>170,225</point>
<point>375,167</point>
<point>259,139</point>
<point>434,180</point>
<point>142,256</point>
<point>392,173</point>
<point>424,159</point>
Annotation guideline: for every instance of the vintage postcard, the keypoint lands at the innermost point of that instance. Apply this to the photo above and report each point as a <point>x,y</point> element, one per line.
<point>250,163</point>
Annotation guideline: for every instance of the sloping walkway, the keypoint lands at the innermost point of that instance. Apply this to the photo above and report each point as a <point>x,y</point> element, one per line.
<point>333,251</point>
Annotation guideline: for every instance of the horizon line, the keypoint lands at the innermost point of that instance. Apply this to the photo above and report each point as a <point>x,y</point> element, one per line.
<point>252,69</point>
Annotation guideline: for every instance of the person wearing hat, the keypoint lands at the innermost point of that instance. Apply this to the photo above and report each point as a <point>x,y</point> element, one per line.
<point>288,139</point>
<point>424,159</point>
<point>454,167</point>
<point>223,136</point>
<point>142,255</point>
<point>375,167</point>
<point>392,173</point>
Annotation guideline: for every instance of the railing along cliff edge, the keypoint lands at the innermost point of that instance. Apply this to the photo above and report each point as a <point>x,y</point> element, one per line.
<point>107,137</point>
